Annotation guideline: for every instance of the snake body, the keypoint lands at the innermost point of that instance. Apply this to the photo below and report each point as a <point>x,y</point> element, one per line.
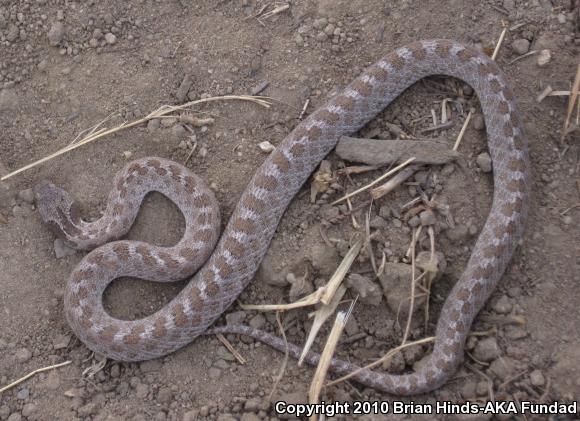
<point>227,268</point>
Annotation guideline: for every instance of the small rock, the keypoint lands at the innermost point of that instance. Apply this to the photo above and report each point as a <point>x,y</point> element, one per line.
<point>150,366</point>
<point>141,391</point>
<point>23,355</point>
<point>26,196</point>
<point>29,409</point>
<point>486,350</point>
<point>521,46</point>
<point>214,373</point>
<point>52,381</point>
<point>502,368</point>
<point>537,378</point>
<point>509,4</point>
<point>115,371</point>
<point>544,57</point>
<point>153,125</point>
<point>110,38</point>
<point>56,34</point>
<point>320,23</point>
<point>258,322</point>
<point>266,146</point>
<point>503,305</point>
<point>299,40</point>
<point>484,162</point>
<point>164,396</point>
<point>235,318</point>
<point>300,288</point>
<point>269,273</point>
<point>395,281</point>
<point>515,332</point>
<point>324,259</point>
<point>61,249</point>
<point>15,416</point>
<point>60,341</point>
<point>369,292</point>
<point>250,416</point>
<point>458,233</point>
<point>23,394</point>
<point>183,89</point>
<point>478,122</point>
<point>88,409</point>
<point>427,217</point>
<point>437,266</point>
<point>191,415</point>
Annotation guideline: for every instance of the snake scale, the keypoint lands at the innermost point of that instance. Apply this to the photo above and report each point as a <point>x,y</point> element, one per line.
<point>229,262</point>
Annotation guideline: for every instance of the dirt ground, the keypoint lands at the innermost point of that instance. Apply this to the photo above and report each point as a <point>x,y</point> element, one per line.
<point>66,65</point>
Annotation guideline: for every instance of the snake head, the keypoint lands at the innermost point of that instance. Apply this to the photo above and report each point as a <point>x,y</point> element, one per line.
<point>57,209</point>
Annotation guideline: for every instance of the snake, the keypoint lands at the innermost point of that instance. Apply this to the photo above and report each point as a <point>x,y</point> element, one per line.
<point>221,267</point>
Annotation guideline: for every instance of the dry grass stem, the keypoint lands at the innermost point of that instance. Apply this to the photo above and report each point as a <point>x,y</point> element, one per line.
<point>286,357</point>
<point>32,373</point>
<point>499,44</point>
<point>357,169</point>
<point>355,223</point>
<point>394,182</point>
<point>462,132</point>
<point>309,300</point>
<point>162,111</point>
<point>518,58</point>
<point>381,360</point>
<point>326,356</point>
<point>320,316</point>
<point>336,279</point>
<point>231,348</point>
<point>275,11</point>
<point>573,102</point>
<point>378,180</point>
<point>413,283</point>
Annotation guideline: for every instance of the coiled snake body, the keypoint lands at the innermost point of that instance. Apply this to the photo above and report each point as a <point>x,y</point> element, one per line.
<point>233,262</point>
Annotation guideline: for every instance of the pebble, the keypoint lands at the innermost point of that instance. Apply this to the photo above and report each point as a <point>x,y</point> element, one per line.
<point>395,284</point>
<point>537,378</point>
<point>29,409</point>
<point>428,217</point>
<point>438,265</point>
<point>56,34</point>
<point>300,288</point>
<point>150,366</point>
<point>23,355</point>
<point>258,322</point>
<point>324,259</point>
<point>183,89</point>
<point>110,38</point>
<point>503,305</point>
<point>61,249</point>
<point>153,125</point>
<point>369,292</point>
<point>521,46</point>
<point>15,416</point>
<point>269,274</point>
<point>249,416</point>
<point>509,4</point>
<point>483,161</point>
<point>60,341</point>
<point>502,368</point>
<point>458,233</point>
<point>164,396</point>
<point>544,57</point>
<point>214,373</point>
<point>52,381</point>
<point>235,318</point>
<point>191,415</point>
<point>26,196</point>
<point>141,391</point>
<point>299,40</point>
<point>320,23</point>
<point>23,394</point>
<point>486,350</point>
<point>266,146</point>
<point>478,122</point>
